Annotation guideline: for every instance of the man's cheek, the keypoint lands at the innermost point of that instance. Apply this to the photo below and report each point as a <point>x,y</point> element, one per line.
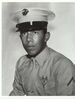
<point>24,41</point>
<point>35,38</point>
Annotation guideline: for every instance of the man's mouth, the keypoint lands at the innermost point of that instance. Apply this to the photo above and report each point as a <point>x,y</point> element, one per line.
<point>30,47</point>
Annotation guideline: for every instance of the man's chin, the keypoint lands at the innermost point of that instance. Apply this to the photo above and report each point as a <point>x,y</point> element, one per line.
<point>32,54</point>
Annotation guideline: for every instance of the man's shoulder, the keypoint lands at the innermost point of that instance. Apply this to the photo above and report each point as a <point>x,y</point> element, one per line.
<point>60,62</point>
<point>21,60</point>
<point>57,57</point>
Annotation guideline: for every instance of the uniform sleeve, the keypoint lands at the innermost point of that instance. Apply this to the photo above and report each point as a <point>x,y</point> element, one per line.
<point>17,84</point>
<point>64,79</point>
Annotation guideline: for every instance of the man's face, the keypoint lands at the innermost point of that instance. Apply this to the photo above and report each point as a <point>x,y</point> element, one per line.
<point>33,41</point>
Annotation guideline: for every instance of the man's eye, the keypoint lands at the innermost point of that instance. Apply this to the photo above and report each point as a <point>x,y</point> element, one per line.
<point>35,32</point>
<point>24,33</point>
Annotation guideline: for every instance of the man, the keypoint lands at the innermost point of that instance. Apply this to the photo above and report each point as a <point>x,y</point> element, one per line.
<point>42,71</point>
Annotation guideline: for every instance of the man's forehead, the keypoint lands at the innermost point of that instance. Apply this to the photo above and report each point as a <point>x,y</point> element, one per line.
<point>37,31</point>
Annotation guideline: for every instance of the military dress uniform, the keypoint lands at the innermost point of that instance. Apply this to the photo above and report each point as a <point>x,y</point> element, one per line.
<point>49,73</point>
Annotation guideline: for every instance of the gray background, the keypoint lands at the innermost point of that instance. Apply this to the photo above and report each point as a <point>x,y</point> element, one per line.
<point>62,38</point>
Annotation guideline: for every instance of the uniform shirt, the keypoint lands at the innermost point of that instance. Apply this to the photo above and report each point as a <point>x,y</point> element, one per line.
<point>49,73</point>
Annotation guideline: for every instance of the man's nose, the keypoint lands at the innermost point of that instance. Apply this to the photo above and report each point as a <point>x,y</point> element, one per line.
<point>29,36</point>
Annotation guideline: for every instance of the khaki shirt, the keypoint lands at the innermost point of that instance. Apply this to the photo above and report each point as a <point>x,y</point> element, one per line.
<point>49,73</point>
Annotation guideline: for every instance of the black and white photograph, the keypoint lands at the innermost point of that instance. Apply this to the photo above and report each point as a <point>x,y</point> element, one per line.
<point>38,49</point>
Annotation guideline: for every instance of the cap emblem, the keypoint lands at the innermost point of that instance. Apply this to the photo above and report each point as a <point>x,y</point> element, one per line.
<point>25,11</point>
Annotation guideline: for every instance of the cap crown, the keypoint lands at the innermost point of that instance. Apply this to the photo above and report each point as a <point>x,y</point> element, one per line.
<point>33,14</point>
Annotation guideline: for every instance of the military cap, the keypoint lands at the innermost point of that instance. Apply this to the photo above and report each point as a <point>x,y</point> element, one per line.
<point>33,18</point>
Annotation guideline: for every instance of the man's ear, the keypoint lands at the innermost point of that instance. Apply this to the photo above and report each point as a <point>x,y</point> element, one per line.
<point>47,36</point>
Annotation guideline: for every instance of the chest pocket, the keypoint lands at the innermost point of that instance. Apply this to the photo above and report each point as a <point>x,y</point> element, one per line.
<point>50,87</point>
<point>35,87</point>
<point>33,84</point>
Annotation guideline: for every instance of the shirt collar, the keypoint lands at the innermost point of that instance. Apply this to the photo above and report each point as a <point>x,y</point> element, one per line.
<point>43,56</point>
